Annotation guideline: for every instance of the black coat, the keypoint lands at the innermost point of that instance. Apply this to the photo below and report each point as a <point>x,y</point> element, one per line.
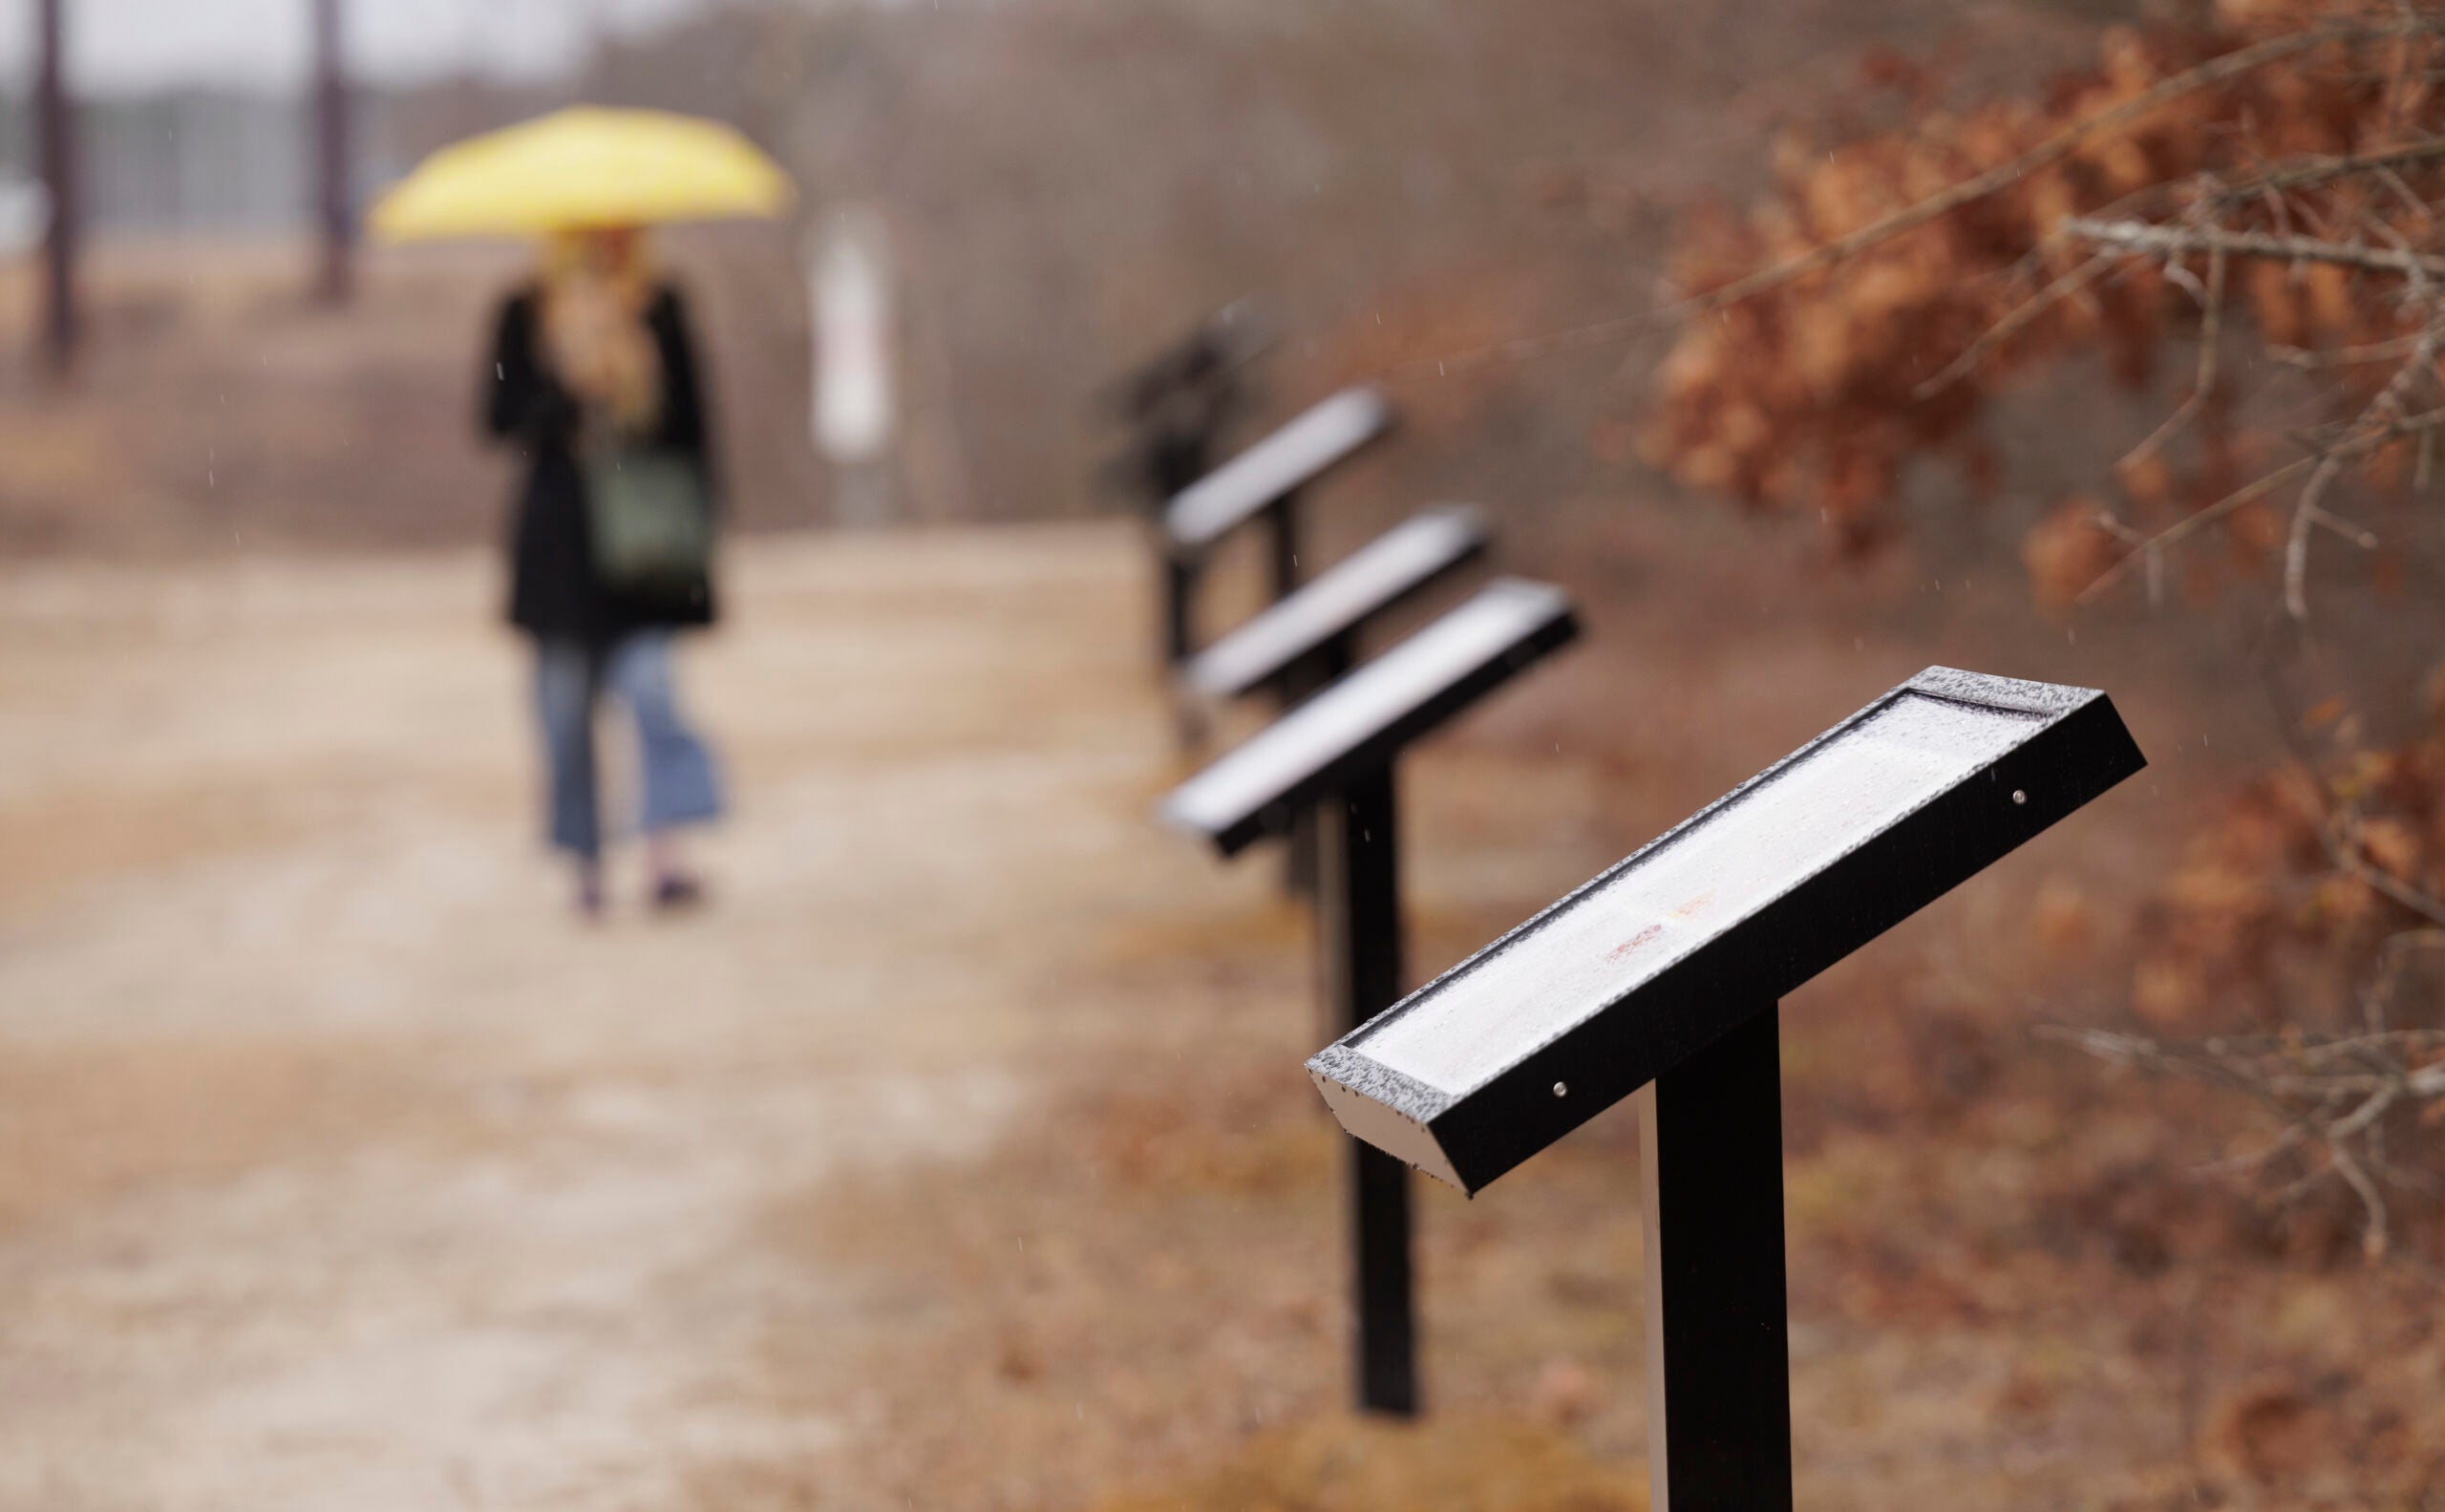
<point>554,593</point>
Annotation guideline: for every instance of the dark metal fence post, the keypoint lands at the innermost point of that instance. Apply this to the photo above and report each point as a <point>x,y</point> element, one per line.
<point>333,207</point>
<point>1281,541</point>
<point>1359,932</point>
<point>1302,680</point>
<point>1710,1156</point>
<point>1173,459</point>
<point>55,116</point>
<point>1177,577</point>
<point>1281,529</point>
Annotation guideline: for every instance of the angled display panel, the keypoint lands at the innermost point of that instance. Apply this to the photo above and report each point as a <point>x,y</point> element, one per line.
<point>1405,559</point>
<point>1715,921</point>
<point>1292,457</point>
<point>1367,715</point>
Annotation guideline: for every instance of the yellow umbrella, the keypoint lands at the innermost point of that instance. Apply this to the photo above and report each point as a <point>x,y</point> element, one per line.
<point>583,167</point>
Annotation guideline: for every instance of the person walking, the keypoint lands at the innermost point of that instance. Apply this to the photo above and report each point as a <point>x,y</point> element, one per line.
<point>594,382</point>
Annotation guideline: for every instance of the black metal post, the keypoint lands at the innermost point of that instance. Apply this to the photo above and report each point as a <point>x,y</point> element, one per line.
<point>1177,637</point>
<point>1172,456</point>
<point>1178,577</point>
<point>1711,1154</point>
<point>1282,530</point>
<point>55,117</point>
<point>1358,920</point>
<point>332,210</point>
<point>1302,680</point>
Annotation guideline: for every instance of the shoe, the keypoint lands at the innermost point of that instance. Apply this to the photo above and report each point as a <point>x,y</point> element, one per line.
<point>676,893</point>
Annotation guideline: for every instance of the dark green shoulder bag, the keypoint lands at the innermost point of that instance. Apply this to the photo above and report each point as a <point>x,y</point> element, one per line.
<point>651,517</point>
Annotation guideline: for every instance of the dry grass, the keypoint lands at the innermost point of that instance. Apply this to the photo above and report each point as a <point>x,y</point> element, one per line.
<point>1466,1464</point>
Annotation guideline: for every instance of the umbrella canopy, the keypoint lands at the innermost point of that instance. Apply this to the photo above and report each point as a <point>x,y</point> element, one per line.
<point>583,167</point>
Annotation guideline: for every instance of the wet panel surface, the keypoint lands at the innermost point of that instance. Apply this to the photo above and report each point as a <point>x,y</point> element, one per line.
<point>1403,561</point>
<point>1320,436</point>
<point>1706,879</point>
<point>1372,710</point>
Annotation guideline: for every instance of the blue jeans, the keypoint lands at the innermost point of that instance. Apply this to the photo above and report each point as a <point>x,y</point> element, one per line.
<point>681,786</point>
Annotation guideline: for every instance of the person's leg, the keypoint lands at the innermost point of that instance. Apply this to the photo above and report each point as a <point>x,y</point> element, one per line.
<point>676,768</point>
<point>564,692</point>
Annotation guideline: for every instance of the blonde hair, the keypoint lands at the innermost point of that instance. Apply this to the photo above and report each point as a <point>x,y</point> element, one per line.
<point>597,287</point>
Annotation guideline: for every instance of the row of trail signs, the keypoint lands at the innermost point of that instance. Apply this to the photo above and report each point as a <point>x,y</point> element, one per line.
<point>1262,487</point>
<point>1335,756</point>
<point>1659,981</point>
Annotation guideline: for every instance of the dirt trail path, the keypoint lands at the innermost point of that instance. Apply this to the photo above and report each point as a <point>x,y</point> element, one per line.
<point>957,1157</point>
<point>339,1169</point>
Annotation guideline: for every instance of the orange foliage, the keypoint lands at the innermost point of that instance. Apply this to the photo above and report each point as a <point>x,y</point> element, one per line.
<point>2066,551</point>
<point>2261,917</point>
<point>1814,395</point>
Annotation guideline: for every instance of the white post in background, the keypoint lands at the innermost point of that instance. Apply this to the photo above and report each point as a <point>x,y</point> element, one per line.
<point>849,286</point>
<point>25,218</point>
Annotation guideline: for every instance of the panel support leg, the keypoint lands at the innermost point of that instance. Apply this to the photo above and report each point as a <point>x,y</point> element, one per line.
<point>1359,926</point>
<point>1177,577</point>
<point>1172,460</point>
<point>1301,681</point>
<point>1282,531</point>
<point>1177,636</point>
<point>1718,1358</point>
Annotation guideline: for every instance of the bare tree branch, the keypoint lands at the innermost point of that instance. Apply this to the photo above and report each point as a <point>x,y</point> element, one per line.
<point>2018,320</point>
<point>2142,235</point>
<point>2199,519</point>
<point>2332,1094</point>
<point>2309,172</point>
<point>2211,334</point>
